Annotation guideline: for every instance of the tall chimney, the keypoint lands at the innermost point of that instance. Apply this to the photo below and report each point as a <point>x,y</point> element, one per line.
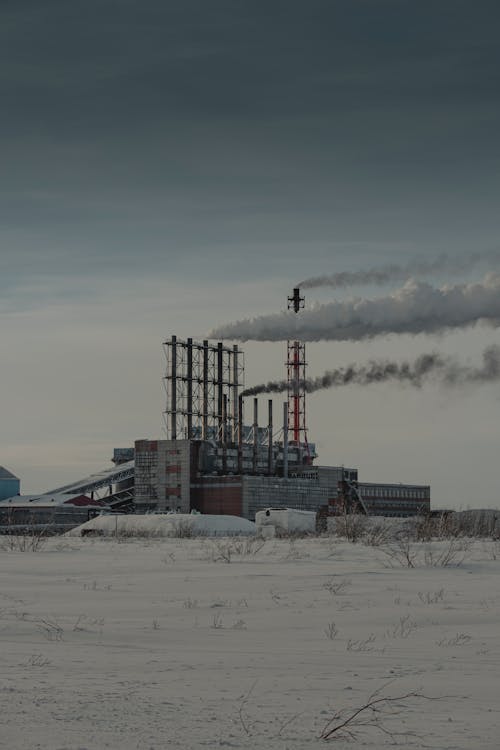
<point>285,440</point>
<point>270,438</point>
<point>255,434</point>
<point>173,416</point>
<point>235,393</point>
<point>224,434</point>
<point>220,387</point>
<point>204,423</point>
<point>240,434</point>
<point>189,395</point>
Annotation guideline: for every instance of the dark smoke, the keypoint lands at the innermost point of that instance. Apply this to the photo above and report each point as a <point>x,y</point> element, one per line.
<point>396,272</point>
<point>433,367</point>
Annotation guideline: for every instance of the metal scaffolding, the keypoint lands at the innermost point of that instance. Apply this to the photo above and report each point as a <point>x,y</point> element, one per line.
<point>202,383</point>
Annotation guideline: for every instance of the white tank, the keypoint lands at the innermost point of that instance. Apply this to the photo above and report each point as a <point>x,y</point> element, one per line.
<point>286,521</point>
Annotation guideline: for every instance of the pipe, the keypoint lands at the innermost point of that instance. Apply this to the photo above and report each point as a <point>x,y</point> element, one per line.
<point>270,439</point>
<point>240,434</point>
<point>285,440</point>
<point>255,434</point>
<point>173,416</point>
<point>224,434</point>
<point>235,392</point>
<point>220,385</point>
<point>189,395</point>
<point>204,423</point>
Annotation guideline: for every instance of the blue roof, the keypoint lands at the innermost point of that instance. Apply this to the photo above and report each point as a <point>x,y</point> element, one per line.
<point>6,474</point>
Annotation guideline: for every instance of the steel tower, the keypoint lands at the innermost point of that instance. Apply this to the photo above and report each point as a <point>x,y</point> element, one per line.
<point>296,378</point>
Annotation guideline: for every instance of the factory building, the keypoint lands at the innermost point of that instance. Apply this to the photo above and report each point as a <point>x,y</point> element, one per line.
<point>185,475</point>
<point>56,512</point>
<point>214,462</point>
<point>395,499</point>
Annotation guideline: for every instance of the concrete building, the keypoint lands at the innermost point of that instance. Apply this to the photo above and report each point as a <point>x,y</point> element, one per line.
<point>185,475</point>
<point>395,499</point>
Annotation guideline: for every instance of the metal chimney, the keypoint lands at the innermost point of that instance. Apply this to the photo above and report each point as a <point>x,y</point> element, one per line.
<point>270,439</point>
<point>285,440</point>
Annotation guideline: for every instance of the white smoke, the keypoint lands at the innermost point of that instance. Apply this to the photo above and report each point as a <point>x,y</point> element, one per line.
<point>396,272</point>
<point>417,307</point>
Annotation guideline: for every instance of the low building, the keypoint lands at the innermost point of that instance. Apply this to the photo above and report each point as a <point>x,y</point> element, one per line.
<point>398,500</point>
<point>58,511</point>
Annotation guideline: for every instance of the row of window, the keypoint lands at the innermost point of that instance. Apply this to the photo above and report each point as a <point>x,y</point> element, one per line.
<point>394,492</point>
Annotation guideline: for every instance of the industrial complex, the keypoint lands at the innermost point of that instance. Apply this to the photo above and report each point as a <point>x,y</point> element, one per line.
<point>213,460</point>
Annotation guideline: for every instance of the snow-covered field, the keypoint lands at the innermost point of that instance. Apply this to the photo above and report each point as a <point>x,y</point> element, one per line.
<point>141,644</point>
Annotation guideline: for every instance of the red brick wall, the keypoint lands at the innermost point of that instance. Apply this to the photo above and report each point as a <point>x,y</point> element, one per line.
<point>217,495</point>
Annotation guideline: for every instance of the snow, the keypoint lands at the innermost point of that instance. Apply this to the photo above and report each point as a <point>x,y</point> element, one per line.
<point>161,643</point>
<point>166,524</point>
<point>286,520</point>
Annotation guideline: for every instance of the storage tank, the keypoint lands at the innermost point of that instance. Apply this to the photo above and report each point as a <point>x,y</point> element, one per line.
<point>285,521</point>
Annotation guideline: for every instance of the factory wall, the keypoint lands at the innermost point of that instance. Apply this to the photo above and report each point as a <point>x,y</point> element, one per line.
<point>180,475</point>
<point>162,475</point>
<point>395,499</point>
<point>218,495</point>
<point>298,493</point>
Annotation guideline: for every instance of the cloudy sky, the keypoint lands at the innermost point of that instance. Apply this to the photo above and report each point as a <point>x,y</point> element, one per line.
<point>170,166</point>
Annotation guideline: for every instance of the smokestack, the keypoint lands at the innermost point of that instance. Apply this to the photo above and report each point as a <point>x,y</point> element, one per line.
<point>270,439</point>
<point>235,393</point>
<point>220,386</point>
<point>189,395</point>
<point>285,439</point>
<point>295,302</point>
<point>255,434</point>
<point>240,434</point>
<point>173,416</point>
<point>204,424</point>
<point>224,434</point>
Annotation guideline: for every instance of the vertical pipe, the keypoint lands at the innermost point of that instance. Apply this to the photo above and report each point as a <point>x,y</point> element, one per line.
<point>220,386</point>
<point>189,384</point>
<point>235,392</point>
<point>285,440</point>
<point>270,439</point>
<point>224,434</point>
<point>255,434</point>
<point>204,424</point>
<point>240,434</point>
<point>173,415</point>
<point>296,396</point>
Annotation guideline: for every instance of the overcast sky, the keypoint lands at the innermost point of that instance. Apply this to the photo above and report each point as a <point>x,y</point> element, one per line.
<point>169,166</point>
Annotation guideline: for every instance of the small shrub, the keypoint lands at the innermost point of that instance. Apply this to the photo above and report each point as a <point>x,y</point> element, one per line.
<point>331,631</point>
<point>336,587</point>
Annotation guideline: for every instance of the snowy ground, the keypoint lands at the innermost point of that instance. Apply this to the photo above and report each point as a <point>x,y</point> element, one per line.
<point>163,644</point>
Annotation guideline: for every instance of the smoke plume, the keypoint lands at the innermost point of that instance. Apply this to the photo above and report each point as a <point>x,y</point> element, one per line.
<point>417,307</point>
<point>432,367</point>
<point>395,272</point>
